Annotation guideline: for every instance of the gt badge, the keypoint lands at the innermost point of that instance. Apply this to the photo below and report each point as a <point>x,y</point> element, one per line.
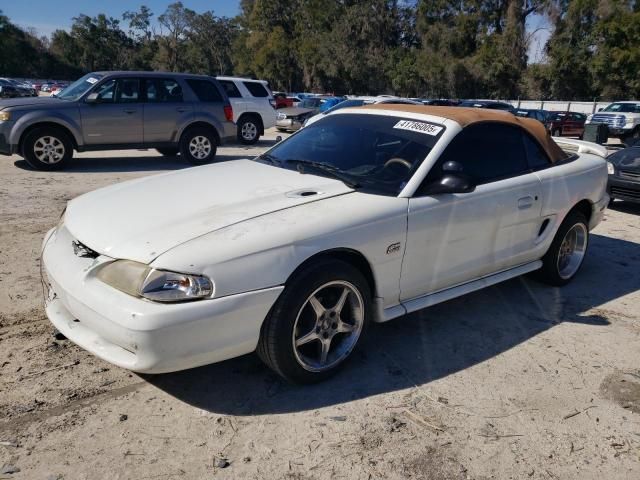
<point>393,248</point>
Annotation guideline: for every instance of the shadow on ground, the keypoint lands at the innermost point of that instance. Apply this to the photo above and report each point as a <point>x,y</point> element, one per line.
<point>424,346</point>
<point>626,207</point>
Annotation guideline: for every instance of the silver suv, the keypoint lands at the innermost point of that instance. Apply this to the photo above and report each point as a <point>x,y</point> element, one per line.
<point>173,113</point>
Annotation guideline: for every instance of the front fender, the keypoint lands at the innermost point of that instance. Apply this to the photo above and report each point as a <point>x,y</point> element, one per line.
<point>29,119</point>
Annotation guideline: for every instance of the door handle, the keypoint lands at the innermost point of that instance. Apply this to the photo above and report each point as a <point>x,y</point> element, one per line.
<point>130,111</point>
<point>525,202</point>
<point>181,109</point>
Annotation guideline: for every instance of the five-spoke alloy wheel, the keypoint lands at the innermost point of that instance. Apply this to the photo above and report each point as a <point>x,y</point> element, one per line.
<point>318,321</point>
<point>567,251</point>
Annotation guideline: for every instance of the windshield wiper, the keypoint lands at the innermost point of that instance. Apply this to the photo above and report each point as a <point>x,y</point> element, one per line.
<point>269,158</point>
<point>328,170</point>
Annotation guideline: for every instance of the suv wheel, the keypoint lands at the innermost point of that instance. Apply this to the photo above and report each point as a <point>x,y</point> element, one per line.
<point>556,133</point>
<point>248,130</point>
<point>47,149</point>
<point>633,138</point>
<point>567,251</point>
<point>168,151</point>
<point>198,145</point>
<point>317,322</point>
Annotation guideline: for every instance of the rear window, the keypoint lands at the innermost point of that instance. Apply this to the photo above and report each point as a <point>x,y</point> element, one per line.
<point>256,89</point>
<point>205,90</point>
<point>230,88</point>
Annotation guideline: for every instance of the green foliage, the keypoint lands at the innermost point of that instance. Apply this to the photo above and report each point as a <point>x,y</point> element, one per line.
<point>431,48</point>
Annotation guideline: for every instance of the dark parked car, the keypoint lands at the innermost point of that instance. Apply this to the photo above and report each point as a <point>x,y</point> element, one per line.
<point>567,124</point>
<point>624,174</point>
<point>440,102</point>
<point>490,104</point>
<point>542,116</point>
<point>9,90</point>
<point>170,112</point>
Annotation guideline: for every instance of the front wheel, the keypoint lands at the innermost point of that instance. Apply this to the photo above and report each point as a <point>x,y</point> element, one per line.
<point>317,322</point>
<point>198,146</point>
<point>632,139</point>
<point>47,149</point>
<point>556,133</point>
<point>567,251</point>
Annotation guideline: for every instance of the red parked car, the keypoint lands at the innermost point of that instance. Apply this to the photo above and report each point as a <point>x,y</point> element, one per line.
<point>567,124</point>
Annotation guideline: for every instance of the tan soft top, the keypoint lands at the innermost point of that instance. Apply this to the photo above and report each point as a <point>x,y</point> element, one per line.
<point>467,116</point>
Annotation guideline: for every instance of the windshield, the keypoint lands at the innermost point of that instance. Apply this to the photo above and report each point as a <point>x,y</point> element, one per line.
<point>79,87</point>
<point>377,153</point>
<point>623,108</point>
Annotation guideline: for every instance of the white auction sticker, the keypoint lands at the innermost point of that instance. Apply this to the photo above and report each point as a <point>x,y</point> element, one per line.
<point>420,127</point>
<point>92,80</point>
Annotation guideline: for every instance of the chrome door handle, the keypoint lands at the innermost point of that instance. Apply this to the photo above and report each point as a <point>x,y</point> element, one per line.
<point>525,202</point>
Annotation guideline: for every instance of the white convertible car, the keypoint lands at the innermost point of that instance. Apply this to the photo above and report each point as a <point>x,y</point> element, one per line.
<point>364,216</point>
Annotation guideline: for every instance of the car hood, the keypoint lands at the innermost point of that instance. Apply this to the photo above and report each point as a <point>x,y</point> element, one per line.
<point>141,219</point>
<point>294,111</point>
<point>34,102</point>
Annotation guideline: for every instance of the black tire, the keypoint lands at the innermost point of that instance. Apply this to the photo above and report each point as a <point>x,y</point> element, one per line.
<point>168,151</point>
<point>556,133</point>
<point>198,134</point>
<point>550,271</point>
<point>248,130</point>
<point>41,137</point>
<point>275,346</point>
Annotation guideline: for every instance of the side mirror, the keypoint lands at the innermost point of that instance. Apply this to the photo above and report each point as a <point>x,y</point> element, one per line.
<point>92,98</point>
<point>453,180</point>
<point>600,109</point>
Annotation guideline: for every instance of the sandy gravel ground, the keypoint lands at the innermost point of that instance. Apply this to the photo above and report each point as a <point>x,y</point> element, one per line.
<point>518,381</point>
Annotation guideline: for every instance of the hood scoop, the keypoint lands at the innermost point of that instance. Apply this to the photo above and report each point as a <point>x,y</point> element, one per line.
<point>304,193</point>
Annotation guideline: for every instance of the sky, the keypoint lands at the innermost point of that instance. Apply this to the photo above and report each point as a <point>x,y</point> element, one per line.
<point>47,16</point>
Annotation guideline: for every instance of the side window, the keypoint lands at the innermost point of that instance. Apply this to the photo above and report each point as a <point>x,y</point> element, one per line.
<point>128,90</point>
<point>536,157</point>
<point>106,92</point>
<point>205,91</point>
<point>256,89</point>
<point>162,90</point>
<point>487,152</point>
<point>230,88</point>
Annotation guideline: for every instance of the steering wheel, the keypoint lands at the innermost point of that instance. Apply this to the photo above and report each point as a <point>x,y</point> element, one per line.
<point>401,161</point>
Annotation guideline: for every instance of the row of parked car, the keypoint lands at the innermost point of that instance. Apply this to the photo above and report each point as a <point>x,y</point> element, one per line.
<point>10,88</point>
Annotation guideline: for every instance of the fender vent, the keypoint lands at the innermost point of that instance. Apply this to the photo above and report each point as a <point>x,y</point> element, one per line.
<point>543,227</point>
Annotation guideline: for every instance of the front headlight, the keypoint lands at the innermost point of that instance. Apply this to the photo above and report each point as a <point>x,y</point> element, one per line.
<point>141,280</point>
<point>610,168</point>
<point>4,116</point>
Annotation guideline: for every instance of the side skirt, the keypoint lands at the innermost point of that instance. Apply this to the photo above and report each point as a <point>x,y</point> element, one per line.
<point>457,291</point>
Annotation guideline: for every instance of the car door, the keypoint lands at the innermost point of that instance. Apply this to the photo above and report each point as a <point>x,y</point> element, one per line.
<point>456,238</point>
<point>116,115</point>
<point>164,110</point>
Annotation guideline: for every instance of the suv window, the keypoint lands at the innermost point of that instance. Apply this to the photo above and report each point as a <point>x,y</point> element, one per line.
<point>230,88</point>
<point>487,152</point>
<point>128,90</point>
<point>536,157</point>
<point>161,90</point>
<point>256,89</point>
<point>205,90</point>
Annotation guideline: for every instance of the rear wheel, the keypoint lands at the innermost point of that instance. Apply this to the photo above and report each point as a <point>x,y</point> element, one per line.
<point>567,251</point>
<point>317,322</point>
<point>168,151</point>
<point>556,132</point>
<point>248,130</point>
<point>198,145</point>
<point>47,148</point>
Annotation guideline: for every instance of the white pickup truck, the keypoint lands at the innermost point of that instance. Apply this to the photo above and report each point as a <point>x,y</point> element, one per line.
<point>365,215</point>
<point>623,119</point>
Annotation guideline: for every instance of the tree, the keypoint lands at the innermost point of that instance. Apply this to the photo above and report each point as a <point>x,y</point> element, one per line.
<point>174,21</point>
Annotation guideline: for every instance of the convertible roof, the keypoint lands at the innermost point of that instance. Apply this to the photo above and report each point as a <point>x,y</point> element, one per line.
<point>468,116</point>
